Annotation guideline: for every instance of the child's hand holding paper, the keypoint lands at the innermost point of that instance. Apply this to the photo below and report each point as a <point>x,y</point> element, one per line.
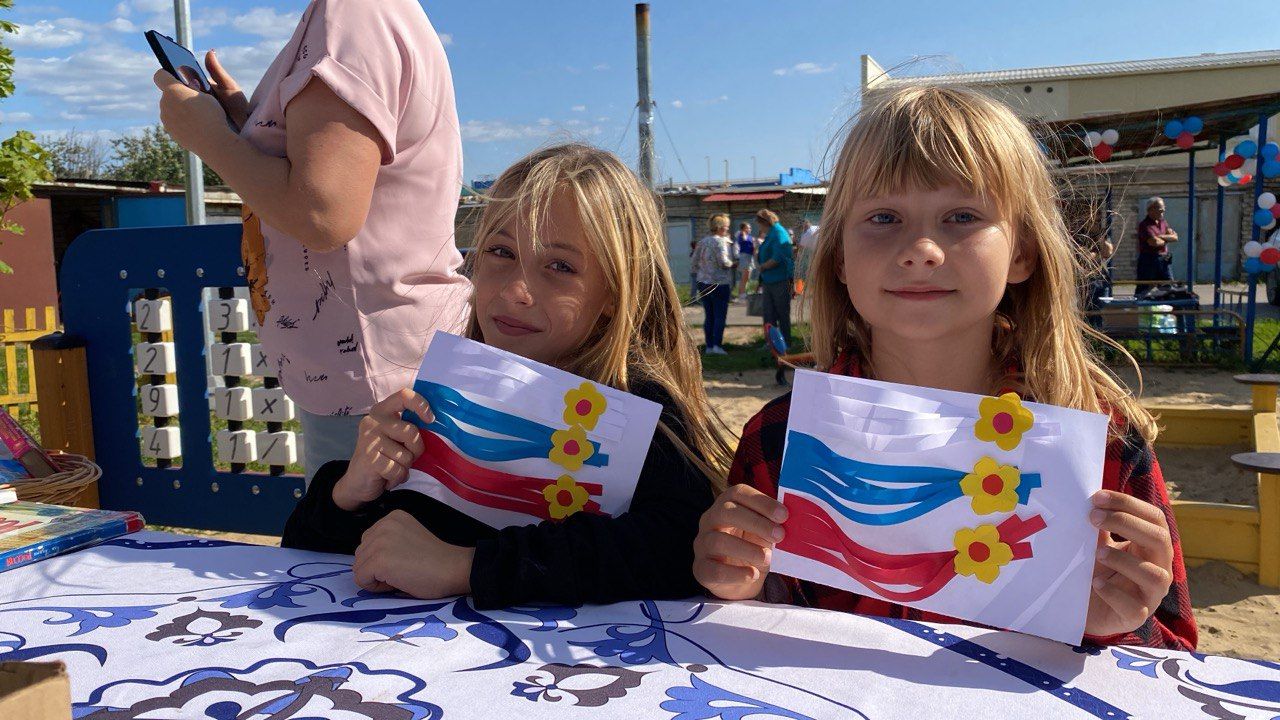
<point>385,450</point>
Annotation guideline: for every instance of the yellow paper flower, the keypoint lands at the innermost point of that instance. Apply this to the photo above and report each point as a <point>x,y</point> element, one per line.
<point>570,448</point>
<point>564,497</point>
<point>993,487</point>
<point>583,406</point>
<point>979,552</point>
<point>1003,420</point>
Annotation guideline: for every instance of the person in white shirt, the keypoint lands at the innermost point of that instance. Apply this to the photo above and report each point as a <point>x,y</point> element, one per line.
<point>714,260</point>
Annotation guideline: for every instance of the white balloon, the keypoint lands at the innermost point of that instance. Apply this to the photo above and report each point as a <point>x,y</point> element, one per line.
<point>1225,180</point>
<point>1266,200</point>
<point>1270,225</point>
<point>1110,137</point>
<point>1252,248</point>
<point>1092,138</point>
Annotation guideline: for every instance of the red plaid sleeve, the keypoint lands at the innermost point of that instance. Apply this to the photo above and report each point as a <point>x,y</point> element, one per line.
<point>1132,468</point>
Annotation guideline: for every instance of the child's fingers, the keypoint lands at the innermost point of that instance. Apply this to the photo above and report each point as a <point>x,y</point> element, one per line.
<point>392,471</point>
<point>750,497</point>
<point>1153,579</point>
<point>732,549</point>
<point>1124,597</point>
<point>397,402</point>
<point>721,578</point>
<point>1150,537</point>
<point>391,449</point>
<point>1123,502</point>
<point>731,516</point>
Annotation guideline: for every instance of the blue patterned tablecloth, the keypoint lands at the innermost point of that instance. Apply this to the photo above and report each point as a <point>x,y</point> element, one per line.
<point>164,626</point>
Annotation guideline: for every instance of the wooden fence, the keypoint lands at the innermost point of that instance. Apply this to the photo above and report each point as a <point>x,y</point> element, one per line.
<point>19,383</point>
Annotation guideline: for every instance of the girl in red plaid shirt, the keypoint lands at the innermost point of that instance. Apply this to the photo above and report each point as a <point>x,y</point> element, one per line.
<point>943,261</point>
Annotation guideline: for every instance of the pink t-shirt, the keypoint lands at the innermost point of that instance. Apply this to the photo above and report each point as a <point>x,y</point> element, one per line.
<point>349,327</point>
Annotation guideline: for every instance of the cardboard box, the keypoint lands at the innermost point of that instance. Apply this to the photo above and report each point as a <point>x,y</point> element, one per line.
<point>35,691</point>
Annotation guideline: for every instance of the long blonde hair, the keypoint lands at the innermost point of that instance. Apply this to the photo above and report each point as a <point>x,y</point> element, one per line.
<point>925,137</point>
<point>645,339</point>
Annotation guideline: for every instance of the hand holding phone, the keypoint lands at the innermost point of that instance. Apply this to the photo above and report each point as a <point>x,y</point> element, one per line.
<point>181,63</point>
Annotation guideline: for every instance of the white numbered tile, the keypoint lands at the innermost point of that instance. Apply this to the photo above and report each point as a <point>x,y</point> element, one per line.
<point>159,400</point>
<point>272,405</point>
<point>153,316</point>
<point>163,443</point>
<point>234,403</point>
<point>230,315</point>
<point>262,364</point>
<point>155,358</point>
<point>278,448</point>
<point>230,359</point>
<point>237,446</point>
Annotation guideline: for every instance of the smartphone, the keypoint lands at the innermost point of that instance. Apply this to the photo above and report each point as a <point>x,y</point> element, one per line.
<point>178,61</point>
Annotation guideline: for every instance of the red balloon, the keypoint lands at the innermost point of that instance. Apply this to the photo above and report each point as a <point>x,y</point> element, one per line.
<point>1102,151</point>
<point>1233,161</point>
<point>1270,256</point>
<point>1186,140</point>
<point>1275,210</point>
<point>1246,179</point>
<point>1221,169</point>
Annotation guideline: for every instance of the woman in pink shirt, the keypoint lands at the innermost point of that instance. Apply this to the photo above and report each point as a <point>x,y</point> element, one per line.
<point>349,160</point>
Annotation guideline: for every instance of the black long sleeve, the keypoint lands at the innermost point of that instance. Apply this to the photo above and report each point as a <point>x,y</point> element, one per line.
<point>646,552</point>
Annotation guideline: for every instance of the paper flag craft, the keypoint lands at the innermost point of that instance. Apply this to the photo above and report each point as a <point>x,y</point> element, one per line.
<point>515,442</point>
<point>969,506</point>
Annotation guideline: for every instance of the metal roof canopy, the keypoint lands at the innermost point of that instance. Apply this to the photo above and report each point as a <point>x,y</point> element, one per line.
<point>1142,132</point>
<point>738,197</point>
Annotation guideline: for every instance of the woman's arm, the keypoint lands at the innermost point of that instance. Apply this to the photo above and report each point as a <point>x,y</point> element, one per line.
<point>320,193</point>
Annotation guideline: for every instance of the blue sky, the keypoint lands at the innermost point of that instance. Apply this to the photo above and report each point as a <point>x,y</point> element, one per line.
<point>733,78</point>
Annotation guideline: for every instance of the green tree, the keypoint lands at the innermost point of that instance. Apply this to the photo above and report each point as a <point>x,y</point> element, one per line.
<point>22,161</point>
<point>153,155</point>
<point>76,154</point>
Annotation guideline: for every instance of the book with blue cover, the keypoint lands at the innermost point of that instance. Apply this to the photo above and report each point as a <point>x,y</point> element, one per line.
<point>30,532</point>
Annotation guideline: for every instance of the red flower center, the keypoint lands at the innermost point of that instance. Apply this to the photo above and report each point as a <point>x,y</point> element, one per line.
<point>979,551</point>
<point>1002,422</point>
<point>583,407</point>
<point>992,484</point>
<point>571,447</point>
<point>564,498</point>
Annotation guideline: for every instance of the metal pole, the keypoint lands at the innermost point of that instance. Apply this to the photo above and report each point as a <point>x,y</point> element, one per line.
<point>1251,310</point>
<point>195,168</point>
<point>1217,232</point>
<point>1191,221</point>
<point>1110,232</point>
<point>726,172</point>
<point>645,102</point>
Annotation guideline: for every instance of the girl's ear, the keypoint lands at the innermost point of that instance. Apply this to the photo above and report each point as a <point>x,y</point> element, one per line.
<point>840,266</point>
<point>1023,263</point>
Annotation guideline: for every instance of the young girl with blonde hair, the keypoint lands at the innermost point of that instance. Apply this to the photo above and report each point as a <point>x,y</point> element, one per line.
<point>943,261</point>
<point>569,270</point>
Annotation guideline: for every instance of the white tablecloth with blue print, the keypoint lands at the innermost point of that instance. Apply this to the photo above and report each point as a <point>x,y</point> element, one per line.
<point>155,625</point>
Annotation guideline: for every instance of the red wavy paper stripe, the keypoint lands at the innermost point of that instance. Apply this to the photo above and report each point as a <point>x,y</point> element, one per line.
<point>488,487</point>
<point>813,534</point>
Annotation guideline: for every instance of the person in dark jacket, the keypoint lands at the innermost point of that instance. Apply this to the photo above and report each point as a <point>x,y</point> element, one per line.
<point>565,229</point>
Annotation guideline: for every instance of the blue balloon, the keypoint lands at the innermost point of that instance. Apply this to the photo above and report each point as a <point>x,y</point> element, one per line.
<point>1270,151</point>
<point>1247,149</point>
<point>1253,266</point>
<point>1173,129</point>
<point>1261,217</point>
<point>1270,168</point>
<point>1193,125</point>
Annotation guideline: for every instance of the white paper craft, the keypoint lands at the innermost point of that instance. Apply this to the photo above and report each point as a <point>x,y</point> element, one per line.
<point>516,442</point>
<point>959,504</point>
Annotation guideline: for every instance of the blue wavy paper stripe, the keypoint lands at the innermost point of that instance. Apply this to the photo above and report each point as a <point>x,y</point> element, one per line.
<point>815,469</point>
<point>1032,676</point>
<point>524,438</point>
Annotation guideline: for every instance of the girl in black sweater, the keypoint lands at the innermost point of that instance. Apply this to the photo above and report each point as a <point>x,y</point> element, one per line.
<point>569,270</point>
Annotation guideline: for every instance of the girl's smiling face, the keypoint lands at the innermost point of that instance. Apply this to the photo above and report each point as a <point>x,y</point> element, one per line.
<point>925,264</point>
<point>541,303</point>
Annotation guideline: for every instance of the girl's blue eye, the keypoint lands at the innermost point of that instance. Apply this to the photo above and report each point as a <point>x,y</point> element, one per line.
<point>561,266</point>
<point>499,251</point>
<point>962,216</point>
<point>883,218</point>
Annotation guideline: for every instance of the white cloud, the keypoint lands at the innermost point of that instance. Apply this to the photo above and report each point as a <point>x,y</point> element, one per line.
<point>46,34</point>
<point>446,39</point>
<point>716,100</point>
<point>486,131</point>
<point>73,117</point>
<point>579,108</point>
<point>206,20</point>
<point>123,9</point>
<point>805,68</point>
<point>11,117</point>
<point>677,103</point>
<point>266,22</point>
<point>121,25</point>
<point>153,6</point>
<point>600,66</point>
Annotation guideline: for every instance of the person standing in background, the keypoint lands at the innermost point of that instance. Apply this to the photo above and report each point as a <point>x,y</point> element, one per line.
<point>747,256</point>
<point>1154,236</point>
<point>349,162</point>
<point>805,243</point>
<point>715,258</point>
<point>777,271</point>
